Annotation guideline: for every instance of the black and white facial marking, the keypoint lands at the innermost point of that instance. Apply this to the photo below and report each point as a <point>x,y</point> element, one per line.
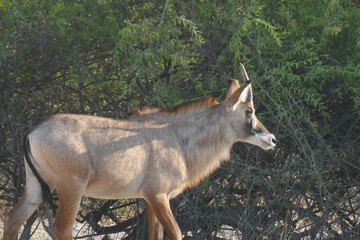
<point>257,134</point>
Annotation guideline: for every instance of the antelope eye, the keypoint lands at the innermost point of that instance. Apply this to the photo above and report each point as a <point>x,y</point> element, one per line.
<point>249,111</point>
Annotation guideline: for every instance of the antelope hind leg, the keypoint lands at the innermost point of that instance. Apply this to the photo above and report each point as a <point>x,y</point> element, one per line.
<point>28,203</point>
<point>69,202</point>
<point>161,207</point>
<point>156,230</point>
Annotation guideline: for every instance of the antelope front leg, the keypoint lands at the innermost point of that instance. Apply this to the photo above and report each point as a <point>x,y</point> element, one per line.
<point>156,230</point>
<point>160,205</point>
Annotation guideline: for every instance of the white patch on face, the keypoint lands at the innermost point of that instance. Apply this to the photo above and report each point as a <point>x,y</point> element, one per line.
<point>253,122</point>
<point>263,140</point>
<point>77,178</point>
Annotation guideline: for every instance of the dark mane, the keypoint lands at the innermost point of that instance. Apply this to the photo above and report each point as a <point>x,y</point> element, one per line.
<point>183,109</point>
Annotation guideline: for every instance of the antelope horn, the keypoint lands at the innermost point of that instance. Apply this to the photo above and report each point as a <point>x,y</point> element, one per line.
<point>244,74</point>
<point>249,97</point>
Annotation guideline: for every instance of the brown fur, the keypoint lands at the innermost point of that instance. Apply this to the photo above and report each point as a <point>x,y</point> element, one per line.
<point>155,154</point>
<point>184,109</point>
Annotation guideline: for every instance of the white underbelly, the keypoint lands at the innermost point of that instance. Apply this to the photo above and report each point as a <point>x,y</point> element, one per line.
<point>111,191</point>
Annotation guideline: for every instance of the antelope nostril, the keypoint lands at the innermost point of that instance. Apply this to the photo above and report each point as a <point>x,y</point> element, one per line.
<point>273,141</point>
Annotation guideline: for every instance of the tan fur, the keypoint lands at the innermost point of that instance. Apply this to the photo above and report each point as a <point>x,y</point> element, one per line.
<point>155,154</point>
<point>155,228</point>
<point>184,109</point>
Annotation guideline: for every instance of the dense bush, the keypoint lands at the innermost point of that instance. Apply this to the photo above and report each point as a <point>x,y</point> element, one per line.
<point>108,57</point>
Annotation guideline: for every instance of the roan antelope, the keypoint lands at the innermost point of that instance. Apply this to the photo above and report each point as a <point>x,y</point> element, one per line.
<point>155,154</point>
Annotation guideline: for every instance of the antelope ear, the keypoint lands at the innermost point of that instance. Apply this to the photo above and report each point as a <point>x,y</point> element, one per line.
<point>248,96</point>
<point>241,95</point>
<point>234,85</point>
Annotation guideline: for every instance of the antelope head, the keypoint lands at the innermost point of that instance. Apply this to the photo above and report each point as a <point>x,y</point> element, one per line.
<point>243,121</point>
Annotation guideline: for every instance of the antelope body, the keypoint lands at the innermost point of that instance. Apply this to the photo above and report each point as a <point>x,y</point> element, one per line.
<point>155,155</point>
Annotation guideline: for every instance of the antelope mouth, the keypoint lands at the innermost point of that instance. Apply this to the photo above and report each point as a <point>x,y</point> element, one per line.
<point>268,146</point>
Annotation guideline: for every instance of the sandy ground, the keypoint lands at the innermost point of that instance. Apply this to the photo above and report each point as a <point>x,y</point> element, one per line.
<point>39,233</point>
